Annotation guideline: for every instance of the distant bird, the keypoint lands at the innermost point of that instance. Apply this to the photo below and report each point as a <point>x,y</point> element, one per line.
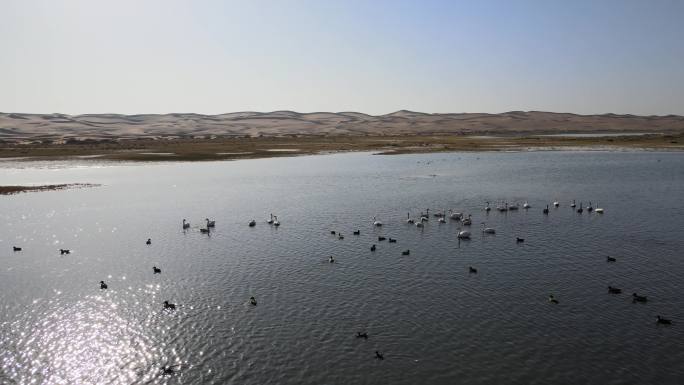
<point>610,259</point>
<point>149,241</point>
<point>379,355</point>
<point>639,298</point>
<point>467,221</point>
<point>270,221</point>
<point>546,210</point>
<point>580,209</point>
<point>103,285</point>
<point>373,248</point>
<point>598,210</point>
<point>253,301</point>
<point>513,207</point>
<point>64,251</point>
<point>614,290</point>
<point>463,235</point>
<point>590,208</point>
<point>408,218</point>
<point>553,299</point>
<point>406,252</point>
<point>392,240</point>
<point>487,208</point>
<point>526,205</point>
<point>663,321</point>
<point>276,222</point>
<point>519,240</point>
<point>205,230</point>
<point>376,222</point>
<point>331,259</point>
<point>472,270</point>
<point>419,224</point>
<point>156,270</point>
<point>363,335</point>
<point>340,236</point>
<point>381,238</point>
<point>15,248</point>
<point>170,306</point>
<point>333,232</point>
<point>252,223</point>
<point>573,204</point>
<point>185,224</point>
<point>210,223</point>
<point>487,230</point>
<point>357,232</point>
<point>556,204</point>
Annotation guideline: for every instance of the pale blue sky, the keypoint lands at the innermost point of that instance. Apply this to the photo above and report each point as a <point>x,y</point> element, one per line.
<point>137,56</point>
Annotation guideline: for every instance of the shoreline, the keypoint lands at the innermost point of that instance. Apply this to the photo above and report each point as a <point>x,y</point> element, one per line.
<point>13,190</point>
<point>149,150</point>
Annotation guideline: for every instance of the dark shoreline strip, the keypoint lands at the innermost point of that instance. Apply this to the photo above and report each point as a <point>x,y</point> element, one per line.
<point>10,190</point>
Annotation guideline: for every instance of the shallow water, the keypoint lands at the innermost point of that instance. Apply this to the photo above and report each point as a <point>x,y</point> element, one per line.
<point>434,322</point>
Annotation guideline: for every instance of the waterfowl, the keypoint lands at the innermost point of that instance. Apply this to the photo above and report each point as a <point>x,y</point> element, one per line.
<point>424,217</point>
<point>376,222</point>
<point>103,285</point>
<point>552,299</point>
<point>598,210</point>
<point>373,248</point>
<point>556,204</point>
<point>463,234</point>
<point>573,204</point>
<point>419,224</point>
<point>156,270</point>
<point>546,210</point>
<point>204,230</point>
<point>590,208</point>
<point>639,298</point>
<point>442,218</point>
<point>519,240</point>
<point>614,290</point>
<point>210,223</point>
<point>454,215</point>
<point>513,206</point>
<point>331,259</point>
<point>438,214</point>
<point>276,223</point>
<point>270,221</point>
<point>357,232</point>
<point>253,301</point>
<point>487,208</point>
<point>663,321</point>
<point>408,218</point>
<point>579,210</point>
<point>363,335</point>
<point>15,248</point>
<point>610,259</point>
<point>169,306</point>
<point>340,236</point>
<point>64,251</point>
<point>467,221</point>
<point>392,240</point>
<point>487,230</point>
<point>333,232</point>
<point>472,270</point>
<point>186,224</point>
<point>252,223</point>
<point>378,355</point>
<point>381,238</point>
<point>526,205</point>
<point>149,241</point>
<point>406,252</point>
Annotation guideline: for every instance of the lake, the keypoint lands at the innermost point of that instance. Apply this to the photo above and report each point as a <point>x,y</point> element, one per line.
<point>433,321</point>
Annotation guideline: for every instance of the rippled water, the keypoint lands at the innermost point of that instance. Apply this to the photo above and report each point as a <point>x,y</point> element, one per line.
<point>433,321</point>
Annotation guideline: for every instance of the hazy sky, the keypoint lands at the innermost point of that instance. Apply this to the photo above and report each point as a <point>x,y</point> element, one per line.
<point>136,56</point>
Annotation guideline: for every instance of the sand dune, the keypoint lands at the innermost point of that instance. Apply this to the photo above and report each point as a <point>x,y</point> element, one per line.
<point>46,128</point>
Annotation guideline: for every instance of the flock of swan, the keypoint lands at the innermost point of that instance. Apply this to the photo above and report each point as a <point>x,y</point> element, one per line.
<point>462,219</point>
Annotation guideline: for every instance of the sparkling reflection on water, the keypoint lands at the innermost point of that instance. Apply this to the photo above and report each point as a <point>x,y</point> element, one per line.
<point>435,322</point>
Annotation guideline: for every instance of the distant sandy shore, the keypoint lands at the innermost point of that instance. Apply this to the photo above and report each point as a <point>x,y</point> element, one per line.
<point>268,147</point>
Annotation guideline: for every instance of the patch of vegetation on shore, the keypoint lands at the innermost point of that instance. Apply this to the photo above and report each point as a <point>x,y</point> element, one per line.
<point>10,190</point>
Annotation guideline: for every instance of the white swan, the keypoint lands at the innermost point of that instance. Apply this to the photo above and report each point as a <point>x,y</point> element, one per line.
<point>573,204</point>
<point>487,208</point>
<point>467,221</point>
<point>186,224</point>
<point>598,209</point>
<point>463,234</point>
<point>526,205</point>
<point>419,224</point>
<point>210,223</point>
<point>270,221</point>
<point>487,230</point>
<point>275,221</point>
<point>556,204</point>
<point>513,206</point>
<point>454,215</point>
<point>503,208</point>
<point>376,222</point>
<point>408,218</point>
